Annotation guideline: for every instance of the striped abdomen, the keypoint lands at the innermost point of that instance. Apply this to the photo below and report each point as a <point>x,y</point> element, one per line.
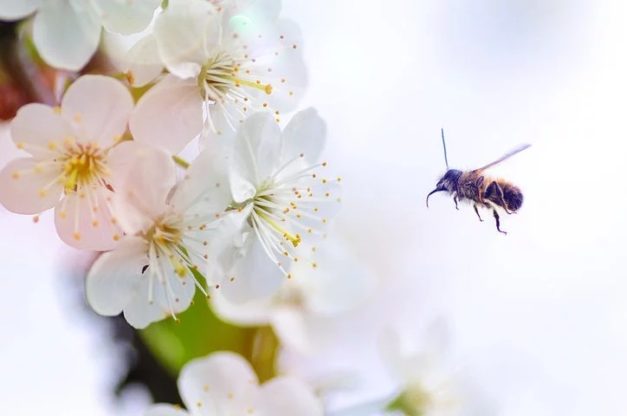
<point>503,193</point>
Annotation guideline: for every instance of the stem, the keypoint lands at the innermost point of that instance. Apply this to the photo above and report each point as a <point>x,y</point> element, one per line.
<point>181,162</point>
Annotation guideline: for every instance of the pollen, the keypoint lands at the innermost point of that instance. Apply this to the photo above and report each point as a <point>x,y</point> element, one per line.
<point>76,235</point>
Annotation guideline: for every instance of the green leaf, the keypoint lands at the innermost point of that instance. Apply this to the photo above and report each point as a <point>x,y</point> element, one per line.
<point>199,332</point>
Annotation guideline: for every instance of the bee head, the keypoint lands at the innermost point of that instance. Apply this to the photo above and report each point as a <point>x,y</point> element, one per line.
<point>448,182</point>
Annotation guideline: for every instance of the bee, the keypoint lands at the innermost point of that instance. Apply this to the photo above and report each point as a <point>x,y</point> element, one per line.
<point>482,190</point>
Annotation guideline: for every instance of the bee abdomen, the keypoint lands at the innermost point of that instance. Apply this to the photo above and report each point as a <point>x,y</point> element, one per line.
<point>503,193</point>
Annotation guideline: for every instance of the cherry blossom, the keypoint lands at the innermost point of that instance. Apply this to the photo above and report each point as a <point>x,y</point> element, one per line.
<point>282,202</point>
<point>153,273</point>
<point>223,383</point>
<point>303,303</point>
<point>225,61</point>
<point>67,32</point>
<point>76,156</point>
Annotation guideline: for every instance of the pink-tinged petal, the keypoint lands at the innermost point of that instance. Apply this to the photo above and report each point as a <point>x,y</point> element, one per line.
<point>140,197</point>
<point>84,221</point>
<point>115,277</point>
<point>126,17</point>
<point>183,31</point>
<point>169,297</point>
<point>168,115</point>
<point>204,189</point>
<point>98,108</point>
<point>286,396</point>
<point>142,61</point>
<point>165,410</point>
<point>29,187</point>
<point>66,33</point>
<point>17,9</point>
<point>304,134</point>
<point>39,130</point>
<point>249,273</point>
<point>124,156</point>
<point>256,154</point>
<point>222,380</point>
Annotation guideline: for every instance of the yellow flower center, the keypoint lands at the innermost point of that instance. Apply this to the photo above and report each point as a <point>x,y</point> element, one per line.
<point>222,74</point>
<point>83,164</point>
<point>166,237</point>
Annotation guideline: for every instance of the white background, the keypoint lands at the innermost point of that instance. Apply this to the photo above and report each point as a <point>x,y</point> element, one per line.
<point>537,319</point>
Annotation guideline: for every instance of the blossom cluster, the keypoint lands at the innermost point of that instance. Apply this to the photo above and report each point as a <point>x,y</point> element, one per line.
<point>188,169</point>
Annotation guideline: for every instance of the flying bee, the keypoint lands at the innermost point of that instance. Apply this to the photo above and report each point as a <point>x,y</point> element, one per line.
<point>482,190</point>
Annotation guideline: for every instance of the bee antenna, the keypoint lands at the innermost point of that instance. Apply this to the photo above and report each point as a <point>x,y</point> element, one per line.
<point>444,146</point>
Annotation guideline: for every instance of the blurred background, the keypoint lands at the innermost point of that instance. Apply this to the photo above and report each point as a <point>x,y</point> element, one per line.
<point>535,321</point>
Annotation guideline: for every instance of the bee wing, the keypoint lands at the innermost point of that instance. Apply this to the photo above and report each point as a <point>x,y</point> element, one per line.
<point>504,157</point>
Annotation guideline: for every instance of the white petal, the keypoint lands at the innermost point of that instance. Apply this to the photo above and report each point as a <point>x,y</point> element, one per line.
<point>291,328</point>
<point>205,187</point>
<point>165,410</point>
<point>143,63</point>
<point>168,115</point>
<point>274,57</point>
<point>17,9</point>
<point>339,283</point>
<point>115,276</point>
<point>169,297</point>
<point>286,396</point>
<point>98,108</point>
<point>83,220</point>
<point>218,381</point>
<point>256,154</point>
<point>41,126</point>
<point>306,134</point>
<point>183,32</point>
<point>126,17</point>
<point>140,197</point>
<point>249,272</point>
<point>27,187</point>
<point>289,73</point>
<point>256,312</point>
<point>66,33</point>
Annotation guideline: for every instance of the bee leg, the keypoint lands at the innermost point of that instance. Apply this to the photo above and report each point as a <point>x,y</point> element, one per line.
<point>498,221</point>
<point>501,197</point>
<point>477,212</point>
<point>456,201</point>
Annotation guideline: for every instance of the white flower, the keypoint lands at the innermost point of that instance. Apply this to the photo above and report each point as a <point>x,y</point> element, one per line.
<point>67,32</point>
<point>224,384</point>
<point>75,160</point>
<point>305,302</point>
<point>282,203</point>
<point>426,383</point>
<point>168,230</point>
<point>224,61</point>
